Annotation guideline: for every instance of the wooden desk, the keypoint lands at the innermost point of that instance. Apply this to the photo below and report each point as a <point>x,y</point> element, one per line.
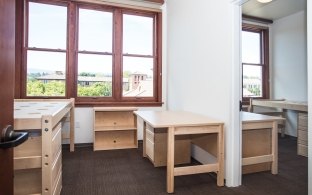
<point>285,104</point>
<point>185,123</point>
<point>253,121</point>
<point>302,119</point>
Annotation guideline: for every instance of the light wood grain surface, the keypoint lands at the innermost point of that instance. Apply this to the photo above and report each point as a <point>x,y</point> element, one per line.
<point>163,119</point>
<point>247,117</point>
<point>287,104</point>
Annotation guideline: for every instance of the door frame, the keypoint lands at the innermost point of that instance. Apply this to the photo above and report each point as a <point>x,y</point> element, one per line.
<point>237,20</point>
<point>7,68</point>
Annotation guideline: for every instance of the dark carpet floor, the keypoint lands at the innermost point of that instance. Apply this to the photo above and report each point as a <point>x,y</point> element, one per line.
<point>125,172</point>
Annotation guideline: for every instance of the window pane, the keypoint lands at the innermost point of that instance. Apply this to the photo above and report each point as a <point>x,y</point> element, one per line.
<point>95,30</point>
<point>46,77</point>
<point>251,47</point>
<point>252,81</point>
<point>137,77</point>
<point>137,35</point>
<point>47,26</point>
<point>94,75</point>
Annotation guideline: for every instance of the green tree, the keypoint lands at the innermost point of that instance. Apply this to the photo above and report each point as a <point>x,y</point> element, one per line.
<point>87,74</point>
<point>97,89</point>
<point>52,88</point>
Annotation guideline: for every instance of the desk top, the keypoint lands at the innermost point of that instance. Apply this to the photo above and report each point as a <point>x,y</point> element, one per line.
<point>285,104</point>
<point>163,119</point>
<point>34,110</point>
<point>28,113</point>
<point>254,117</point>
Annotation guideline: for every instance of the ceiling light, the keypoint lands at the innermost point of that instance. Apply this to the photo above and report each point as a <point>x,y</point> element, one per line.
<point>264,1</point>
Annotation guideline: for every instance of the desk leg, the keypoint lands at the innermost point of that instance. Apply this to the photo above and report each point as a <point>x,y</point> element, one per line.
<point>274,168</point>
<point>144,139</point>
<point>220,176</point>
<point>170,161</point>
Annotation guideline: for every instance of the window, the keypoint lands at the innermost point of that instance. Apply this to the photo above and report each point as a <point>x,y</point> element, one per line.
<point>97,54</point>
<point>255,62</point>
<point>138,57</point>
<point>47,27</point>
<point>95,57</point>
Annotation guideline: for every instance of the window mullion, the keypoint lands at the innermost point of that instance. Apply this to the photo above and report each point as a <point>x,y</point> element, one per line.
<point>71,81</point>
<point>117,50</point>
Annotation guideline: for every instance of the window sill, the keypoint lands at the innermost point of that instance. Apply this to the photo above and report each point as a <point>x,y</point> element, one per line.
<point>137,104</point>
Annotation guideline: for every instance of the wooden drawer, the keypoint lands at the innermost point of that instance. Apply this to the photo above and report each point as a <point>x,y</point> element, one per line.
<point>27,181</point>
<point>158,135</point>
<point>114,118</point>
<point>150,149</point>
<point>302,135</point>
<point>58,188</point>
<point>108,140</point>
<point>150,135</point>
<point>56,170</point>
<point>182,152</point>
<point>302,150</point>
<point>302,142</point>
<point>302,120</point>
<point>32,147</point>
<point>56,141</point>
<point>28,154</point>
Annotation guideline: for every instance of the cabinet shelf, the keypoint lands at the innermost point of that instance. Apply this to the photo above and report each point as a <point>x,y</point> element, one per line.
<point>114,128</point>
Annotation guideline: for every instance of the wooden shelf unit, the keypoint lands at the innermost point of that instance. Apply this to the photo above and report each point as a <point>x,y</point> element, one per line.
<point>38,161</point>
<point>114,128</point>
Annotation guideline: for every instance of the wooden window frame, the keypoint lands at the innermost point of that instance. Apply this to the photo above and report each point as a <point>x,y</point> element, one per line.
<point>264,60</point>
<point>72,55</point>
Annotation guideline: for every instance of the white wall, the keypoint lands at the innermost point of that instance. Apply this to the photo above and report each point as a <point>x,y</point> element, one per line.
<point>289,62</point>
<point>200,55</point>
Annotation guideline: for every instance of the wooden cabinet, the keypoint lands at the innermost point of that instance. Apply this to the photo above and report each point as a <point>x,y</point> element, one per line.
<point>302,134</point>
<point>114,128</point>
<point>156,147</point>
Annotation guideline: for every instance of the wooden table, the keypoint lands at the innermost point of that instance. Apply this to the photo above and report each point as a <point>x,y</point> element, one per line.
<point>302,119</point>
<point>185,123</point>
<point>253,121</point>
<point>283,104</point>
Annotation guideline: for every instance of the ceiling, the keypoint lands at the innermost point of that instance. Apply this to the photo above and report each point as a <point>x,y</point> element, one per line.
<point>273,10</point>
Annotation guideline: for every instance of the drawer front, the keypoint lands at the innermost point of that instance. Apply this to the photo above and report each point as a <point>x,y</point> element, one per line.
<point>150,149</point>
<point>302,120</point>
<point>150,135</point>
<point>56,170</point>
<point>58,187</point>
<point>302,150</point>
<point>32,147</point>
<point>303,135</point>
<point>302,142</point>
<point>149,128</point>
<point>56,141</point>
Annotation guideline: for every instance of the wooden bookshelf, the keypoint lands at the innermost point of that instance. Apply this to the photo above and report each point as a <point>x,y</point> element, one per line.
<point>114,128</point>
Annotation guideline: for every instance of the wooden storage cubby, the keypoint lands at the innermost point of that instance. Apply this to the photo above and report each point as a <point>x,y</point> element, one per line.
<point>114,128</point>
